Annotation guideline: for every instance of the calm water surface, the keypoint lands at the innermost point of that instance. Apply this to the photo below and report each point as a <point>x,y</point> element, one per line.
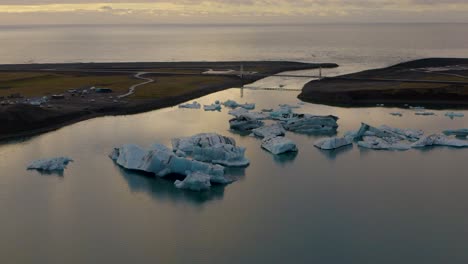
<point>346,206</point>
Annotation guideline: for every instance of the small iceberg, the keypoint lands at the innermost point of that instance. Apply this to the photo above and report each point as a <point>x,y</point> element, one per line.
<point>274,130</point>
<point>311,124</point>
<point>50,165</point>
<point>279,145</point>
<point>425,113</point>
<point>194,181</point>
<point>289,106</point>
<point>333,143</point>
<point>463,133</point>
<point>396,114</point>
<point>417,107</point>
<point>377,143</point>
<point>193,105</point>
<point>244,123</point>
<point>212,107</point>
<point>247,106</point>
<point>238,112</point>
<point>453,115</point>
<point>280,113</point>
<point>440,140</point>
<point>231,104</point>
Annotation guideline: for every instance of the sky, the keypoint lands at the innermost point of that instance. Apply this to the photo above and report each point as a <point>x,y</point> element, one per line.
<point>16,12</point>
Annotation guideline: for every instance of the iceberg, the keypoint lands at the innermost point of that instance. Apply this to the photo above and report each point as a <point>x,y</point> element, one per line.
<point>274,130</point>
<point>231,104</point>
<point>457,132</point>
<point>194,181</point>
<point>279,145</point>
<point>212,107</point>
<point>161,161</point>
<point>396,114</point>
<point>289,106</point>
<point>440,140</point>
<point>333,143</point>
<point>211,148</point>
<point>377,143</point>
<point>425,113</point>
<point>247,106</point>
<point>222,154</point>
<point>279,113</point>
<point>193,105</point>
<point>311,124</point>
<point>238,112</point>
<point>244,123</point>
<point>50,165</point>
<point>409,134</point>
<point>453,114</point>
<point>203,140</point>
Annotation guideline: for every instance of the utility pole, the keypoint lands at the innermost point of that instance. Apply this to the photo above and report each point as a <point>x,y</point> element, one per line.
<point>242,71</point>
<point>320,72</point>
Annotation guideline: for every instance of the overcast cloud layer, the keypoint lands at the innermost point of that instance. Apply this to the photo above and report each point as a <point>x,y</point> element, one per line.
<point>219,11</point>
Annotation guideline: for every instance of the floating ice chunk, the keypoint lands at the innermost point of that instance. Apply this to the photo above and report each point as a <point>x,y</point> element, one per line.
<point>162,161</point>
<point>280,113</point>
<point>267,110</point>
<point>453,114</point>
<point>373,142</point>
<point>289,106</point>
<point>457,132</point>
<point>212,107</point>
<point>425,113</point>
<point>231,104</point>
<point>333,143</point>
<point>238,112</point>
<point>247,106</point>
<point>194,181</point>
<point>274,130</point>
<point>50,165</point>
<point>396,114</point>
<point>301,103</point>
<point>380,105</point>
<point>279,145</point>
<point>409,134</point>
<point>440,140</point>
<point>193,105</point>
<point>311,124</point>
<point>244,123</point>
<point>223,154</point>
<point>203,140</point>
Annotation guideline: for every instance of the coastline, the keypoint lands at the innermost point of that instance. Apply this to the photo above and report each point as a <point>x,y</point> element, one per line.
<point>25,120</point>
<point>434,83</point>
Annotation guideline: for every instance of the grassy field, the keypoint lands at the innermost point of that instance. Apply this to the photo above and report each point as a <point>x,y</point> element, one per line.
<point>176,85</point>
<point>30,84</point>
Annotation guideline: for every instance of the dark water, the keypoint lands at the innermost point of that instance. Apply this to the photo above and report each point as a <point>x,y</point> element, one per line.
<point>347,206</point>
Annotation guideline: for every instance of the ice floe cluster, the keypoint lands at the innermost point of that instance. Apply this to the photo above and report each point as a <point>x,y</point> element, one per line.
<point>389,138</point>
<point>200,158</point>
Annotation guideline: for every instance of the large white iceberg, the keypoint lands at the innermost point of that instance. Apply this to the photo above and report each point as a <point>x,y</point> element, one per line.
<point>213,148</point>
<point>268,131</point>
<point>162,161</point>
<point>193,105</point>
<point>386,138</point>
<point>279,145</point>
<point>312,124</point>
<point>50,165</point>
<point>333,143</point>
<point>194,181</point>
<point>440,140</point>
